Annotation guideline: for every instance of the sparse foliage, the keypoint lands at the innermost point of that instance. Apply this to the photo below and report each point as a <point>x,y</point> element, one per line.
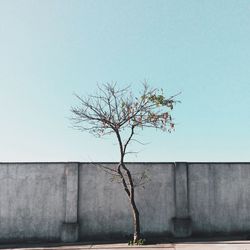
<point>118,111</point>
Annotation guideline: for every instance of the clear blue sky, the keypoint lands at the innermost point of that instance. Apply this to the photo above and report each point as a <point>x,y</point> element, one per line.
<point>50,49</point>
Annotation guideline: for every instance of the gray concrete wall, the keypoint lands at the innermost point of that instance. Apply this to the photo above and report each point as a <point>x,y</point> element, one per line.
<point>104,210</point>
<point>219,197</point>
<point>76,201</point>
<point>31,201</point>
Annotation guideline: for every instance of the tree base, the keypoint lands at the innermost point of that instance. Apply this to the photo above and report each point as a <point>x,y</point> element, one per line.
<point>137,242</point>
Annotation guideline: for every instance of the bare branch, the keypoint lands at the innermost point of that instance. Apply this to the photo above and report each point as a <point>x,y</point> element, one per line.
<point>106,169</point>
<point>142,143</point>
<point>129,139</point>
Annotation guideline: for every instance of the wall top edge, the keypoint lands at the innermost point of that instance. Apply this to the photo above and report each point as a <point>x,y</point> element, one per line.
<point>148,162</point>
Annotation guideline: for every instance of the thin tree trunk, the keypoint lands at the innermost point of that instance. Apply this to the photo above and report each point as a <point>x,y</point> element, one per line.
<point>129,188</point>
<point>136,221</point>
<point>136,215</point>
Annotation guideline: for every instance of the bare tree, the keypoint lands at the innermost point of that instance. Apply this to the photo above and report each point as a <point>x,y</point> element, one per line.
<point>117,111</point>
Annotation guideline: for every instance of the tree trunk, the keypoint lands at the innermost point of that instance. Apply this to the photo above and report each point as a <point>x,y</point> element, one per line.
<point>129,187</point>
<point>135,212</point>
<point>136,221</point>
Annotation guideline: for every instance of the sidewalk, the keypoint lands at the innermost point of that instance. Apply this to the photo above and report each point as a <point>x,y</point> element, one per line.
<point>215,245</point>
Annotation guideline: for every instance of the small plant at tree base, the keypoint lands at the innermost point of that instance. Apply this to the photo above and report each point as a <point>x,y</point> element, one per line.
<point>118,111</point>
<point>138,242</point>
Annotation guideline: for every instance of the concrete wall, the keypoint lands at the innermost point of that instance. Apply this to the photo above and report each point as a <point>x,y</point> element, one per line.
<point>219,197</point>
<point>104,210</point>
<point>77,201</point>
<point>31,201</point>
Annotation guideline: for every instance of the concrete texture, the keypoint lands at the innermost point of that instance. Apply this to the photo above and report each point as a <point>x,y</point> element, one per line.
<point>182,223</point>
<point>31,201</point>
<point>70,232</point>
<point>70,227</point>
<point>76,201</point>
<point>219,198</point>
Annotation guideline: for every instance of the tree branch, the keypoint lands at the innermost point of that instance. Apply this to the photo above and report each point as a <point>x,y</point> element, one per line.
<point>130,137</point>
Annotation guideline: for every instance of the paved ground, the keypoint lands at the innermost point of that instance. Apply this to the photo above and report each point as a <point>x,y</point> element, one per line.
<point>215,245</point>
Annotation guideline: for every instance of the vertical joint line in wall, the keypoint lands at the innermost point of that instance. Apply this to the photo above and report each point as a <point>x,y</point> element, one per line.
<point>78,190</point>
<point>188,191</point>
<point>174,173</point>
<point>65,192</point>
